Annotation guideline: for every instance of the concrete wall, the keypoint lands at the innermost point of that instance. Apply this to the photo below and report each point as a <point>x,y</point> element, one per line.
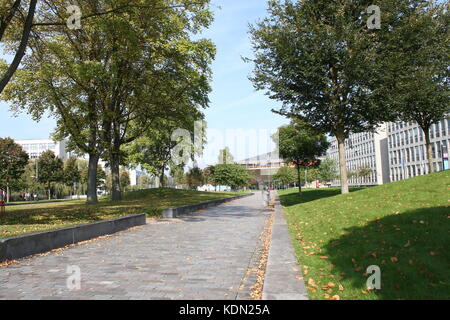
<point>24,245</point>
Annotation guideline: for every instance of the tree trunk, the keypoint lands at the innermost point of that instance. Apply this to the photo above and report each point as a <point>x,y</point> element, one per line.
<point>429,148</point>
<point>49,192</point>
<point>116,193</point>
<point>161,179</point>
<point>342,164</point>
<point>7,193</point>
<point>92,179</point>
<point>299,180</point>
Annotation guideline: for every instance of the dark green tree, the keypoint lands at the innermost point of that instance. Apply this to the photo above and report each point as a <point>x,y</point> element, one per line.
<point>232,175</point>
<point>72,174</point>
<point>51,170</point>
<point>13,161</point>
<point>194,178</point>
<point>316,57</point>
<point>285,175</point>
<point>301,145</point>
<point>414,71</point>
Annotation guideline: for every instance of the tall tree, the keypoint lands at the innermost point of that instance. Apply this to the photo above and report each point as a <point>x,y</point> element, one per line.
<point>313,56</point>
<point>124,68</point>
<point>13,161</point>
<point>301,145</point>
<point>51,170</point>
<point>416,55</point>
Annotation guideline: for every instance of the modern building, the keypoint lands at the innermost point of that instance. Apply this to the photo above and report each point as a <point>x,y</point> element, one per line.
<point>263,166</point>
<point>407,150</point>
<point>35,147</point>
<point>366,150</point>
<point>395,151</point>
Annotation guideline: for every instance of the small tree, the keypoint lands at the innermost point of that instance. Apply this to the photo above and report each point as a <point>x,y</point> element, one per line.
<point>13,161</point>
<point>125,181</point>
<point>194,178</point>
<point>50,170</point>
<point>300,145</point>
<point>232,175</point>
<point>72,174</point>
<point>285,175</point>
<point>328,170</point>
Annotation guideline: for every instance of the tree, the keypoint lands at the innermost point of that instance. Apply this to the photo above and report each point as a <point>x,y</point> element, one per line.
<point>144,182</point>
<point>328,170</point>
<point>101,178</point>
<point>72,174</point>
<point>285,175</point>
<point>125,181</point>
<point>315,56</point>
<point>13,19</point>
<point>13,161</point>
<point>416,53</point>
<point>225,156</point>
<point>118,72</point>
<point>50,170</point>
<point>194,178</point>
<point>300,144</point>
<point>232,175</point>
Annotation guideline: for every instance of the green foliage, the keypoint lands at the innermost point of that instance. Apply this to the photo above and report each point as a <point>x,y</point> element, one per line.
<point>328,170</point>
<point>300,143</point>
<point>13,161</point>
<point>194,178</point>
<point>125,181</point>
<point>232,175</point>
<point>50,169</point>
<point>285,175</point>
<point>71,172</point>
<point>312,56</point>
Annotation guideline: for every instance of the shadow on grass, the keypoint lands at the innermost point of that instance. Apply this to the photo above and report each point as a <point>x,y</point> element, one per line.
<point>308,195</point>
<point>412,250</point>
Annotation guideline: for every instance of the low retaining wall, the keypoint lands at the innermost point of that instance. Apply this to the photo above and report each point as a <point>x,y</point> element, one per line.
<point>174,212</point>
<point>24,245</point>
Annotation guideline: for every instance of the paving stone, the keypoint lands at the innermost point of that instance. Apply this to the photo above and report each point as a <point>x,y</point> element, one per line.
<point>203,255</point>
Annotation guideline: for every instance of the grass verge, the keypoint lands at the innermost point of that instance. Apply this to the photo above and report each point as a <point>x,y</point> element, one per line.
<point>402,227</point>
<point>23,219</point>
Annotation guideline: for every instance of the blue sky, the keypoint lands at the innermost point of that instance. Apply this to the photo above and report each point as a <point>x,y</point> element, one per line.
<point>234,102</point>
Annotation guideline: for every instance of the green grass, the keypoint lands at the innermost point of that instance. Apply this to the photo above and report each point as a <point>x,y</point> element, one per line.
<point>43,216</point>
<point>402,227</point>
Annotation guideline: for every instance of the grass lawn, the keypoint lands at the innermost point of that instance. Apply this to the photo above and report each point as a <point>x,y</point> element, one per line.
<point>402,227</point>
<point>37,217</point>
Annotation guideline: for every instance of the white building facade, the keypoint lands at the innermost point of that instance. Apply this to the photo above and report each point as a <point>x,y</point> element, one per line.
<point>365,150</point>
<point>395,151</point>
<point>407,150</point>
<point>35,147</point>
